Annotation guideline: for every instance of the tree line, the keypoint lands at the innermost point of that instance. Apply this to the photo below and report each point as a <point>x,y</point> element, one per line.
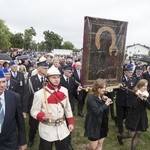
<point>25,40</point>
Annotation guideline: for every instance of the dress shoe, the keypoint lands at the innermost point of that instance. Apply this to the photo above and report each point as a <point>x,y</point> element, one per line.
<point>70,147</point>
<point>30,144</point>
<point>80,115</point>
<point>120,139</point>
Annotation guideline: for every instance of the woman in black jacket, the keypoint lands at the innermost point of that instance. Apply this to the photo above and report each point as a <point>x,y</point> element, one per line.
<point>137,121</point>
<point>96,121</point>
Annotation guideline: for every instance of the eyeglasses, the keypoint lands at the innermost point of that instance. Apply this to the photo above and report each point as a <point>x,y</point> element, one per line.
<point>69,71</point>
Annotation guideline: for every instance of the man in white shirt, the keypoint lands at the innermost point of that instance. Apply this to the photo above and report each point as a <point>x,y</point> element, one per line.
<point>12,128</point>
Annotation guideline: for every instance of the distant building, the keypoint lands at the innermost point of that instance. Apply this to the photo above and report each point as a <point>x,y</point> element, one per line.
<point>65,52</point>
<point>136,50</point>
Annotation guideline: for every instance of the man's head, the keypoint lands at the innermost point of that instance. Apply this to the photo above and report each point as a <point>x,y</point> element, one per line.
<point>42,66</point>
<point>69,61</point>
<point>128,71</point>
<point>2,81</point>
<point>53,76</point>
<point>139,71</point>
<point>78,65</point>
<point>7,73</point>
<point>13,66</point>
<point>67,70</point>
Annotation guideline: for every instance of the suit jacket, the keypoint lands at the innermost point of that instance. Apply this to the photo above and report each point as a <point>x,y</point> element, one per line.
<point>72,87</point>
<point>96,108</point>
<point>124,97</point>
<point>137,78</point>
<point>76,76</point>
<point>146,76</point>
<point>13,129</point>
<point>14,86</point>
<point>29,94</point>
<point>21,81</point>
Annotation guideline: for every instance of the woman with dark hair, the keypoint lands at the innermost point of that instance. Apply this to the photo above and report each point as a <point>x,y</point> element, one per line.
<point>5,64</point>
<point>137,121</point>
<point>96,122</point>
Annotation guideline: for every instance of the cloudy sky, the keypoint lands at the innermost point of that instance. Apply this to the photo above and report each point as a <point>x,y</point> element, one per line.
<point>66,17</point>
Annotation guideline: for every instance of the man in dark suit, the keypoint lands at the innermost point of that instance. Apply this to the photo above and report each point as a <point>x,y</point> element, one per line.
<point>146,76</point>
<point>70,83</point>
<point>35,83</point>
<point>18,76</point>
<point>73,88</point>
<point>124,99</point>
<point>82,94</point>
<point>12,128</point>
<point>138,74</point>
<point>11,83</point>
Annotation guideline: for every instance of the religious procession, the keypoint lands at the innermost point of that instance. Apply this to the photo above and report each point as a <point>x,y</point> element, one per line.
<point>58,102</point>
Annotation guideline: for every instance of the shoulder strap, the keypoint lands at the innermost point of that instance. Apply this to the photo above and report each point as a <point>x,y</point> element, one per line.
<point>58,100</point>
<point>31,86</point>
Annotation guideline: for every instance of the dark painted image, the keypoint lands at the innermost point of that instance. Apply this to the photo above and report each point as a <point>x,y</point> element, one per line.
<point>103,50</point>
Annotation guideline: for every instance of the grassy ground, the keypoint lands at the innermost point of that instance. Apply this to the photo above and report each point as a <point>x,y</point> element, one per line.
<point>110,143</point>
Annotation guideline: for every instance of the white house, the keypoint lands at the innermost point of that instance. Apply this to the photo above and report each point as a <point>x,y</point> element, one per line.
<point>137,50</point>
<point>62,52</point>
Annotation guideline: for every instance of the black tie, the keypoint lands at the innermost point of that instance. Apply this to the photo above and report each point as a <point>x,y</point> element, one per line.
<point>1,113</point>
<point>67,80</point>
<point>42,80</point>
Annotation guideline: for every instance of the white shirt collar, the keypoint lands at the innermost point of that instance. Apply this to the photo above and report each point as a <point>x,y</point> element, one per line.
<point>39,76</point>
<point>2,96</point>
<point>65,77</point>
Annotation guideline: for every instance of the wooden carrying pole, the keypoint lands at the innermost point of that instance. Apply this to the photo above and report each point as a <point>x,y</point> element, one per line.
<point>46,100</point>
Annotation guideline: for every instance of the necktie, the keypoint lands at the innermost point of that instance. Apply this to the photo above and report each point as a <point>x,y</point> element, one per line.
<point>15,74</point>
<point>1,113</point>
<point>7,85</point>
<point>67,80</point>
<point>42,80</point>
<point>78,73</point>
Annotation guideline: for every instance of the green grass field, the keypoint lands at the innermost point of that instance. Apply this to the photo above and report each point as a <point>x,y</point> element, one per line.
<point>110,143</point>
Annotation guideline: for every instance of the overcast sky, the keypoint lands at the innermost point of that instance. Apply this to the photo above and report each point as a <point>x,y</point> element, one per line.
<point>66,17</point>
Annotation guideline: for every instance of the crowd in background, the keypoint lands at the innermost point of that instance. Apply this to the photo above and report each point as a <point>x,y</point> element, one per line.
<point>26,77</point>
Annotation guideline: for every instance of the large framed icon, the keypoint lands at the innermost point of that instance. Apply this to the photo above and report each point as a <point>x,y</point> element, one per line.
<point>103,50</point>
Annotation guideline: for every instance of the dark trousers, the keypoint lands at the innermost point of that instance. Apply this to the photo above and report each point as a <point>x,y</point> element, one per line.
<point>121,112</point>
<point>60,145</point>
<point>112,112</point>
<point>33,123</point>
<point>72,103</point>
<point>81,100</point>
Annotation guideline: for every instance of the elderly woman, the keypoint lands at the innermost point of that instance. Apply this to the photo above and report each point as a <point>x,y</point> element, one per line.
<point>22,69</point>
<point>96,122</point>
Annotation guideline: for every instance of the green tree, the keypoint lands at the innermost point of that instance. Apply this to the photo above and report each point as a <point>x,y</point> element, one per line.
<point>41,46</point>
<point>52,40</point>
<point>28,37</point>
<point>33,45</point>
<point>4,36</point>
<point>17,40</point>
<point>67,45</point>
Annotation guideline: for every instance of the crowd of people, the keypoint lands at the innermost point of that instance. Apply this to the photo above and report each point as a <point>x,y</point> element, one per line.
<point>58,80</point>
<point>47,91</point>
